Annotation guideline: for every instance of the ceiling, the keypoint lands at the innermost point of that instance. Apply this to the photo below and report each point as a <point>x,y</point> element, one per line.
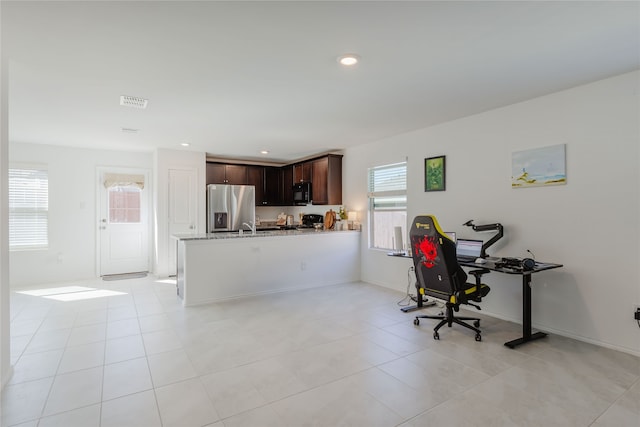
<point>234,78</point>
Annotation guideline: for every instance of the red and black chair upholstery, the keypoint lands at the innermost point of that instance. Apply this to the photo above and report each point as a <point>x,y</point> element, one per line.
<point>440,276</point>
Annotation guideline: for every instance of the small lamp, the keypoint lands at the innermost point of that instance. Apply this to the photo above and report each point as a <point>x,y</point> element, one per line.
<point>352,217</point>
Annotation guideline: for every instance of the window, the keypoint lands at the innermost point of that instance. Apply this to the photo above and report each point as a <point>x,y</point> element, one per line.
<point>28,207</point>
<point>387,204</point>
<point>124,204</point>
<point>125,193</point>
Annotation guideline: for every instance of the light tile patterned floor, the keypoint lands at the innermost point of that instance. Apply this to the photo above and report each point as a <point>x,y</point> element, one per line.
<point>340,355</point>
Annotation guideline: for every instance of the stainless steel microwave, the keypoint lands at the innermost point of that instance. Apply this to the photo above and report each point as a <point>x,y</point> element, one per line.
<point>302,193</point>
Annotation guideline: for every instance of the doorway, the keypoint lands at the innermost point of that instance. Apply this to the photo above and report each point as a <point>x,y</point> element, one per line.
<point>183,209</point>
<point>123,221</point>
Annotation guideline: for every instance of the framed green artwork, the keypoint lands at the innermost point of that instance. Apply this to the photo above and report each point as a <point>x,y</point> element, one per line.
<point>434,174</point>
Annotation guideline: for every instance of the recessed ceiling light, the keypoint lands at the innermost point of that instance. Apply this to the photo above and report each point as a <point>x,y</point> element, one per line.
<point>133,102</point>
<point>264,152</point>
<point>185,144</point>
<point>348,59</point>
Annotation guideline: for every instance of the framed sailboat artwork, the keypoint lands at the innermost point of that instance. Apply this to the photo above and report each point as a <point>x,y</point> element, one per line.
<point>539,167</point>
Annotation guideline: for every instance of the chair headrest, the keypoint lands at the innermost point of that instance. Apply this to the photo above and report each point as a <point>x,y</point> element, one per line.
<point>426,225</point>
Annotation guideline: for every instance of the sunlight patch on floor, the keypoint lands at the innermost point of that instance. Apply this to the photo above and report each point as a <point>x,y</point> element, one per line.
<point>71,293</point>
<point>76,296</point>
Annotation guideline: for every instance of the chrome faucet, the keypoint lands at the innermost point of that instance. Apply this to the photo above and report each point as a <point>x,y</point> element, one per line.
<point>251,225</point>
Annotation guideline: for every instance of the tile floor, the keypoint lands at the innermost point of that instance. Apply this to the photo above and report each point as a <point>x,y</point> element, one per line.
<point>336,356</point>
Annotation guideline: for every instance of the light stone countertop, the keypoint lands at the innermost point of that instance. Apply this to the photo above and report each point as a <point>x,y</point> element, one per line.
<point>260,233</point>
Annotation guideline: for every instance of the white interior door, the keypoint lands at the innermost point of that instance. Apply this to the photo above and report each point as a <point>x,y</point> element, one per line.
<point>123,218</point>
<point>183,209</point>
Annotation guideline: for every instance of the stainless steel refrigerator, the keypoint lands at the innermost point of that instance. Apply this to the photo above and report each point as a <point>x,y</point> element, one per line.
<point>229,206</point>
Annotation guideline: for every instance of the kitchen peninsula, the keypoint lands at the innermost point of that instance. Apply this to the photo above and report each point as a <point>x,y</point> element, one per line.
<point>220,266</point>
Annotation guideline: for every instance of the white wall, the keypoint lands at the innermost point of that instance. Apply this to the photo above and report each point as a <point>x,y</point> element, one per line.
<point>71,254</point>
<point>5,366</point>
<point>591,225</point>
<point>164,160</point>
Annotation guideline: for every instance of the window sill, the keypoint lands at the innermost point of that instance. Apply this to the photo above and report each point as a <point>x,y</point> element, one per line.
<point>29,249</point>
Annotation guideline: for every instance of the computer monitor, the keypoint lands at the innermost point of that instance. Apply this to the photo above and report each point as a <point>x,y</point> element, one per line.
<point>467,248</point>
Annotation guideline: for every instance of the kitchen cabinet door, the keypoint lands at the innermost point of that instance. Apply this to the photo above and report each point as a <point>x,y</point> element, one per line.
<point>326,182</point>
<point>273,186</point>
<point>220,173</point>
<point>334,180</point>
<point>303,172</point>
<point>319,189</point>
<point>236,174</point>
<point>215,173</point>
<point>255,177</point>
<point>287,185</point>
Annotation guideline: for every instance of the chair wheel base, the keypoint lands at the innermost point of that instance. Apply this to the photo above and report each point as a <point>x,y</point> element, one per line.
<point>416,321</point>
<point>436,336</point>
<point>478,337</point>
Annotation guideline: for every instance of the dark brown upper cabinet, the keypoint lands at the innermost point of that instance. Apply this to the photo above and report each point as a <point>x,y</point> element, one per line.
<point>326,180</point>
<point>274,185</point>
<point>255,177</point>
<point>220,173</point>
<point>287,185</point>
<point>303,172</point>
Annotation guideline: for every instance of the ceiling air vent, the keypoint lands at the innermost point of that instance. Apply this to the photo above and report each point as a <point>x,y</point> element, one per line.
<point>133,101</point>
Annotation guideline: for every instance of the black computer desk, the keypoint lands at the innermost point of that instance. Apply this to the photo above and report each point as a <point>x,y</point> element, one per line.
<point>490,265</point>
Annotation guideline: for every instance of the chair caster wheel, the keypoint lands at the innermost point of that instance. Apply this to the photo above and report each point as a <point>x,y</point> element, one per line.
<point>478,337</point>
<point>416,321</point>
<point>476,323</point>
<point>436,336</point>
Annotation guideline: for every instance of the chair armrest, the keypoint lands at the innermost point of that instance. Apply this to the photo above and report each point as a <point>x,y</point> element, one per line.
<point>478,275</point>
<point>479,272</point>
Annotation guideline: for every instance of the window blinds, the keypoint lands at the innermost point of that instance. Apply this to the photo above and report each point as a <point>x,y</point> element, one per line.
<point>388,186</point>
<point>28,207</point>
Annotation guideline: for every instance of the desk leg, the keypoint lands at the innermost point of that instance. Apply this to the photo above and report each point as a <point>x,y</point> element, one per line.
<point>420,304</point>
<point>526,316</point>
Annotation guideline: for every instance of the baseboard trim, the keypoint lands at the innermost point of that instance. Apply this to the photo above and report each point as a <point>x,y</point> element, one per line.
<point>544,328</point>
<point>6,378</point>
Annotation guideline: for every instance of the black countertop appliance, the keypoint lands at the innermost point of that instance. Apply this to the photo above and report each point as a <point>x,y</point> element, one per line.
<point>309,219</point>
